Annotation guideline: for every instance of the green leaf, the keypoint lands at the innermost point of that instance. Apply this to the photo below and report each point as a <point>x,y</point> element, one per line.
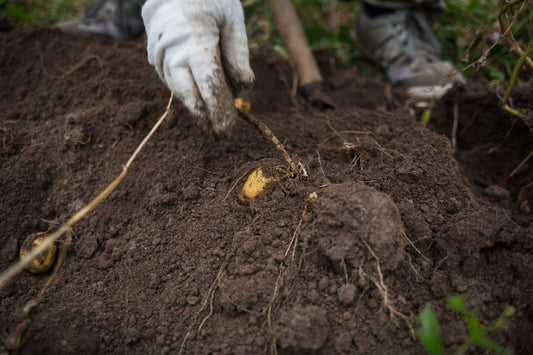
<point>425,117</point>
<point>498,323</point>
<point>457,303</point>
<point>429,334</point>
<point>476,334</point>
<point>20,13</point>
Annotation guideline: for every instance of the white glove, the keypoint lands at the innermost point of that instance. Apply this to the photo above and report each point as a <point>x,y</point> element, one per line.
<point>183,46</point>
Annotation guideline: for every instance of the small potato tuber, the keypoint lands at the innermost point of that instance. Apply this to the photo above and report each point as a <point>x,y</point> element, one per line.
<point>243,105</point>
<point>45,260</point>
<point>254,185</point>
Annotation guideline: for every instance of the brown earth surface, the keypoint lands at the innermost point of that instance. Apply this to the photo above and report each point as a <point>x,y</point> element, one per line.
<point>173,261</point>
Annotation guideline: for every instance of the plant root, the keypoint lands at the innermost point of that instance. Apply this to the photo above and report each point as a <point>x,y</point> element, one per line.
<point>208,298</point>
<point>351,147</point>
<point>385,293</point>
<point>294,240</point>
<point>415,248</point>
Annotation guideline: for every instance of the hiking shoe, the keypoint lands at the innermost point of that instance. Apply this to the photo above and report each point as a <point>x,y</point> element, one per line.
<point>120,19</point>
<point>403,43</point>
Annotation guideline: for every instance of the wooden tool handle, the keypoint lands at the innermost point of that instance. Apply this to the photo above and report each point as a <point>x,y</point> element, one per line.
<point>294,40</point>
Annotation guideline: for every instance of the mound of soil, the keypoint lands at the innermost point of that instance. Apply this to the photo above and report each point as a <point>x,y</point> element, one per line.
<point>173,261</point>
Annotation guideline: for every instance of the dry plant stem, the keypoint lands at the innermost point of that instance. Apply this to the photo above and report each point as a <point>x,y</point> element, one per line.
<point>76,66</point>
<point>512,80</point>
<point>505,28</point>
<point>82,63</point>
<point>267,133</point>
<point>22,264</point>
<point>521,165</point>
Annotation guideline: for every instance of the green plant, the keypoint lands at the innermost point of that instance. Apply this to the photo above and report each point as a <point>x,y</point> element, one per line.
<point>40,12</point>
<point>478,335</point>
<point>17,14</point>
<point>468,32</point>
<point>471,37</point>
<point>429,333</point>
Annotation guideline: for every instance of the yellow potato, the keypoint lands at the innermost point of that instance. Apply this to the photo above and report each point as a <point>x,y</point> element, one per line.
<point>254,185</point>
<point>45,260</point>
<point>243,105</point>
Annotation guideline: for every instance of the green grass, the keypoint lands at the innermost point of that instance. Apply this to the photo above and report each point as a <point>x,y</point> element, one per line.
<point>466,30</point>
<point>40,12</point>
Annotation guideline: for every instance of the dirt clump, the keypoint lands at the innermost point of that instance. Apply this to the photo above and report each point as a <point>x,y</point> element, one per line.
<point>353,218</point>
<point>303,329</point>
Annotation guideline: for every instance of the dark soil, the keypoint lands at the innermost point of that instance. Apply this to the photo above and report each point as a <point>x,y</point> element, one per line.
<point>173,261</point>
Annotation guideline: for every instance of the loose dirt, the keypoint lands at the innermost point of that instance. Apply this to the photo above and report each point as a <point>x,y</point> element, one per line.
<point>172,261</point>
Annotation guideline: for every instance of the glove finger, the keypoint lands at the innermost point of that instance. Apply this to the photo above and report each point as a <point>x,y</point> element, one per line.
<point>180,81</point>
<point>234,48</point>
<point>214,91</point>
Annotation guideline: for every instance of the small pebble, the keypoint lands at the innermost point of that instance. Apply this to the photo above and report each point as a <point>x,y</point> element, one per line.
<point>497,192</point>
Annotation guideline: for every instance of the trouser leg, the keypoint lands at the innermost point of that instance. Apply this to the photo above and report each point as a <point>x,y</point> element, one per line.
<point>129,17</point>
<point>116,18</point>
<point>397,34</point>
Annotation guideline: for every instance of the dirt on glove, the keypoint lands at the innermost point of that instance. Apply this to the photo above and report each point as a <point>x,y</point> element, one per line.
<point>173,261</point>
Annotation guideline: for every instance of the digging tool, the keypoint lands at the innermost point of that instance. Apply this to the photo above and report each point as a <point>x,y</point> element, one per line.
<point>293,37</point>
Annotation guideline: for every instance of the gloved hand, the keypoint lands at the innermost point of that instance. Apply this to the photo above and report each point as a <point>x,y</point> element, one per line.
<point>183,46</point>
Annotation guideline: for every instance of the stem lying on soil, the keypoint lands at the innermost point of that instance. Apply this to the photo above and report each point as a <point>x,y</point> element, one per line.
<point>521,165</point>
<point>16,269</point>
<point>267,133</point>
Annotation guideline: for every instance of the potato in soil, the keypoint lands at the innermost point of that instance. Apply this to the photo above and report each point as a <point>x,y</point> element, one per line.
<point>44,261</point>
<point>254,185</point>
